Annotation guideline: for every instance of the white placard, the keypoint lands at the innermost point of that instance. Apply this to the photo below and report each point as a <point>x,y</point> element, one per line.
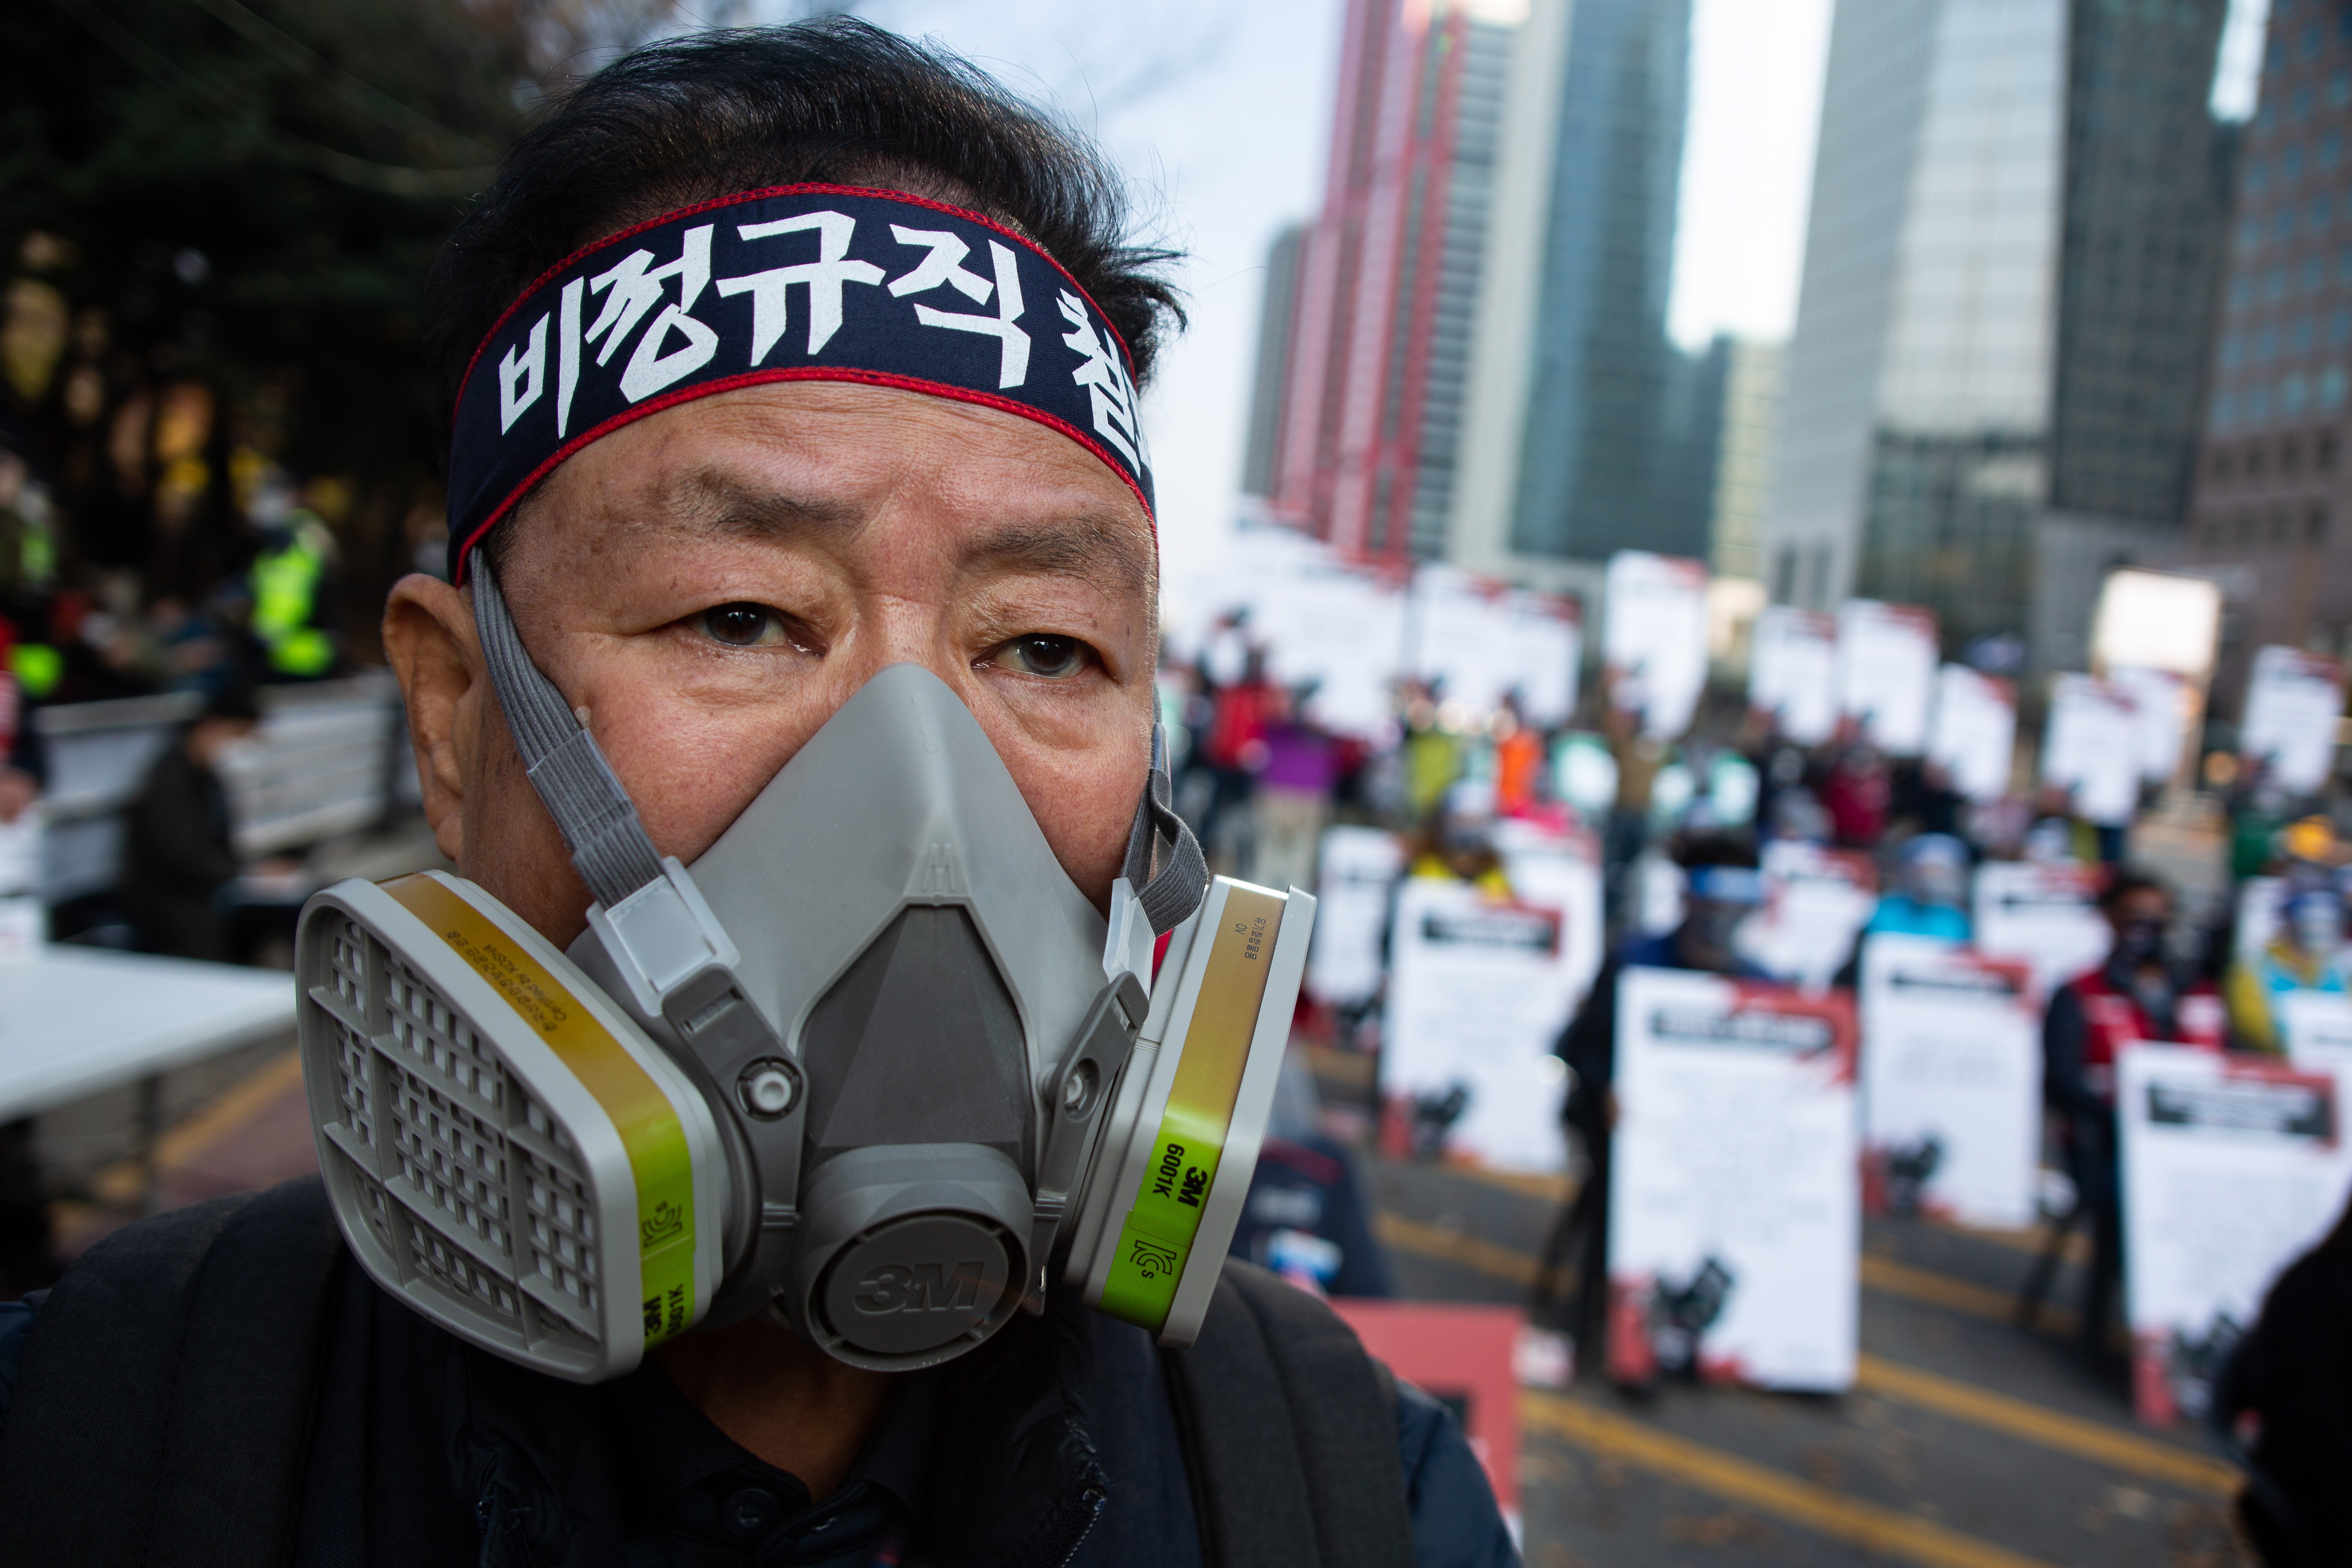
<point>1974,738</point>
<point>1479,989</point>
<point>2161,703</point>
<point>2293,704</point>
<point>1555,871</point>
<point>1654,637</point>
<point>2232,1167</point>
<point>2047,915</point>
<point>1816,902</point>
<point>1792,673</point>
<point>1360,868</point>
<point>1317,619</point>
<point>1483,641</point>
<point>2315,1027</point>
<point>1951,1082</point>
<point>1886,673</point>
<point>2091,748</point>
<point>1734,1215</point>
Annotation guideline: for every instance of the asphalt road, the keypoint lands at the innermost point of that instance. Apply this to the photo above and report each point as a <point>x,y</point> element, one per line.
<point>1968,1443</point>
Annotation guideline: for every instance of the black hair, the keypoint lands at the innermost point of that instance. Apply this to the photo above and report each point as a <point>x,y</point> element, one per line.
<point>2130,880</point>
<point>833,100</point>
<point>1712,847</point>
<point>235,702</point>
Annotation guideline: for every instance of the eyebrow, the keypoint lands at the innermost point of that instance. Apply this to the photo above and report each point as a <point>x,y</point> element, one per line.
<point>710,500</point>
<point>1089,548</point>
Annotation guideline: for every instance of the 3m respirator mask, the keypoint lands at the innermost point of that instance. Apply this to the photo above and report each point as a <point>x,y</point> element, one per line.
<point>867,1068</point>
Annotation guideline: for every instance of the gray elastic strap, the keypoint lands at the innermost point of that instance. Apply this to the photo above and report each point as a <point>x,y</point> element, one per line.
<point>1169,898</point>
<point>609,844</point>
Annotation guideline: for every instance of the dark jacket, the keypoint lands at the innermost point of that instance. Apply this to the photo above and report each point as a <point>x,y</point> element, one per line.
<point>176,857</point>
<point>2295,1374</point>
<point>1067,1439</point>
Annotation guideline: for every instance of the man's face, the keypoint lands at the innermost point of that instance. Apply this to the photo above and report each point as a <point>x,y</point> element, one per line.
<point>712,582</point>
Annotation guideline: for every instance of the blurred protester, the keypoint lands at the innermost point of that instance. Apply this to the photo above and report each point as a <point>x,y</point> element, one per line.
<point>1518,760</point>
<point>1722,888</point>
<point>1233,752</point>
<point>2139,994</point>
<point>1929,895</point>
<point>1924,797</point>
<point>1638,757</point>
<point>1293,800</point>
<point>2307,952</point>
<point>1305,1217</point>
<point>1858,795</point>
<point>291,597</point>
<point>2288,1387</point>
<point>1433,755</point>
<point>177,851</point>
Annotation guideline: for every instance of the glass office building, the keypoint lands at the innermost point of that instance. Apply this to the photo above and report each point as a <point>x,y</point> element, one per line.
<point>2010,272</point>
<point>2271,493</point>
<point>1614,414</point>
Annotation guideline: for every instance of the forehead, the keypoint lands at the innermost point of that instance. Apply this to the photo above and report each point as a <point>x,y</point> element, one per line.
<point>788,462</point>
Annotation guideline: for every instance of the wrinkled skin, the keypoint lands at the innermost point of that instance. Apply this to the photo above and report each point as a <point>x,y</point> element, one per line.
<point>710,584</point>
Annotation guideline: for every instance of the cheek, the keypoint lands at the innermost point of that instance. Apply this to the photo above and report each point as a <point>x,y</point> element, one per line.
<point>691,769</point>
<point>1084,801</point>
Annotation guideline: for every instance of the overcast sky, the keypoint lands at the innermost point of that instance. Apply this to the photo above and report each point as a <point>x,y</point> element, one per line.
<point>1219,112</point>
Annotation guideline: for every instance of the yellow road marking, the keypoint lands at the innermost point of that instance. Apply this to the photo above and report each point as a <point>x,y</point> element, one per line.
<point>1890,1277</point>
<point>221,1117</point>
<point>1452,1246</point>
<point>2067,1434</point>
<point>1866,1525</point>
<point>2077,1251</point>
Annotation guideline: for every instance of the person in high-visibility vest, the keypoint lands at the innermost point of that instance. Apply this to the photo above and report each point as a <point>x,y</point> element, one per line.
<point>285,579</point>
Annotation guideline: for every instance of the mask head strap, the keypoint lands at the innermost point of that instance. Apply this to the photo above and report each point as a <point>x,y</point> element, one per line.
<point>609,843</point>
<point>1169,898</point>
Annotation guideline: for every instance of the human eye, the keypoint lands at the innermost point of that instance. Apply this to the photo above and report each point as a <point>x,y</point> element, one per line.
<point>1044,655</point>
<point>745,625</point>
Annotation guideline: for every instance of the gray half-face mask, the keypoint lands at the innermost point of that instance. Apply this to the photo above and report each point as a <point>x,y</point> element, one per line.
<point>867,1068</point>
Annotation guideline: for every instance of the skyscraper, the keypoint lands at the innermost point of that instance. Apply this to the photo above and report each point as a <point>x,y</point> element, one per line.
<point>1278,315</point>
<point>2010,262</point>
<point>2270,497</point>
<point>1478,364</point>
<point>1590,432</point>
<point>1365,448</point>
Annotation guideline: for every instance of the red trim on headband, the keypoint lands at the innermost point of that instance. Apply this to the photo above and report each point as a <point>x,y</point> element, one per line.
<point>465,382</point>
<point>795,373</point>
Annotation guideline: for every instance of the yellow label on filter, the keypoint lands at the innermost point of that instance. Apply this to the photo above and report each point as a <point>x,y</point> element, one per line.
<point>1158,1235</point>
<point>660,1159</point>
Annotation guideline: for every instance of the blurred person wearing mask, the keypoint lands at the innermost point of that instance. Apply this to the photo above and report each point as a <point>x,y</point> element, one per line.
<point>2139,994</point>
<point>1722,888</point>
<point>2305,952</point>
<point>919,557</point>
<point>1929,897</point>
<point>177,849</point>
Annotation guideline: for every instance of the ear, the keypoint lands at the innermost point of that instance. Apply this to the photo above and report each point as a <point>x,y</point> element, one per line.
<point>428,636</point>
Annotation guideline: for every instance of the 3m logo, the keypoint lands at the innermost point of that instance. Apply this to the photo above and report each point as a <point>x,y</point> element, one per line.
<point>665,1223</point>
<point>919,1287</point>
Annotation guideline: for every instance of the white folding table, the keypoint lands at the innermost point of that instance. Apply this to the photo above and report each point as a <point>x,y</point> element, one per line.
<point>76,1021</point>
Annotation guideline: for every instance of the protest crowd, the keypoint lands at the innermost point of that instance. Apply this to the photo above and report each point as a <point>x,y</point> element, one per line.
<point>1664,933</point>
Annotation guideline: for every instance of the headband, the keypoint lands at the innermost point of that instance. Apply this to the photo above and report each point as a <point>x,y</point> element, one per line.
<point>793,283</point>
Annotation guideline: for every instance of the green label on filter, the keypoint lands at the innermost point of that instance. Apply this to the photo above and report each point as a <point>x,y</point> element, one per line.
<point>1156,1238</point>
